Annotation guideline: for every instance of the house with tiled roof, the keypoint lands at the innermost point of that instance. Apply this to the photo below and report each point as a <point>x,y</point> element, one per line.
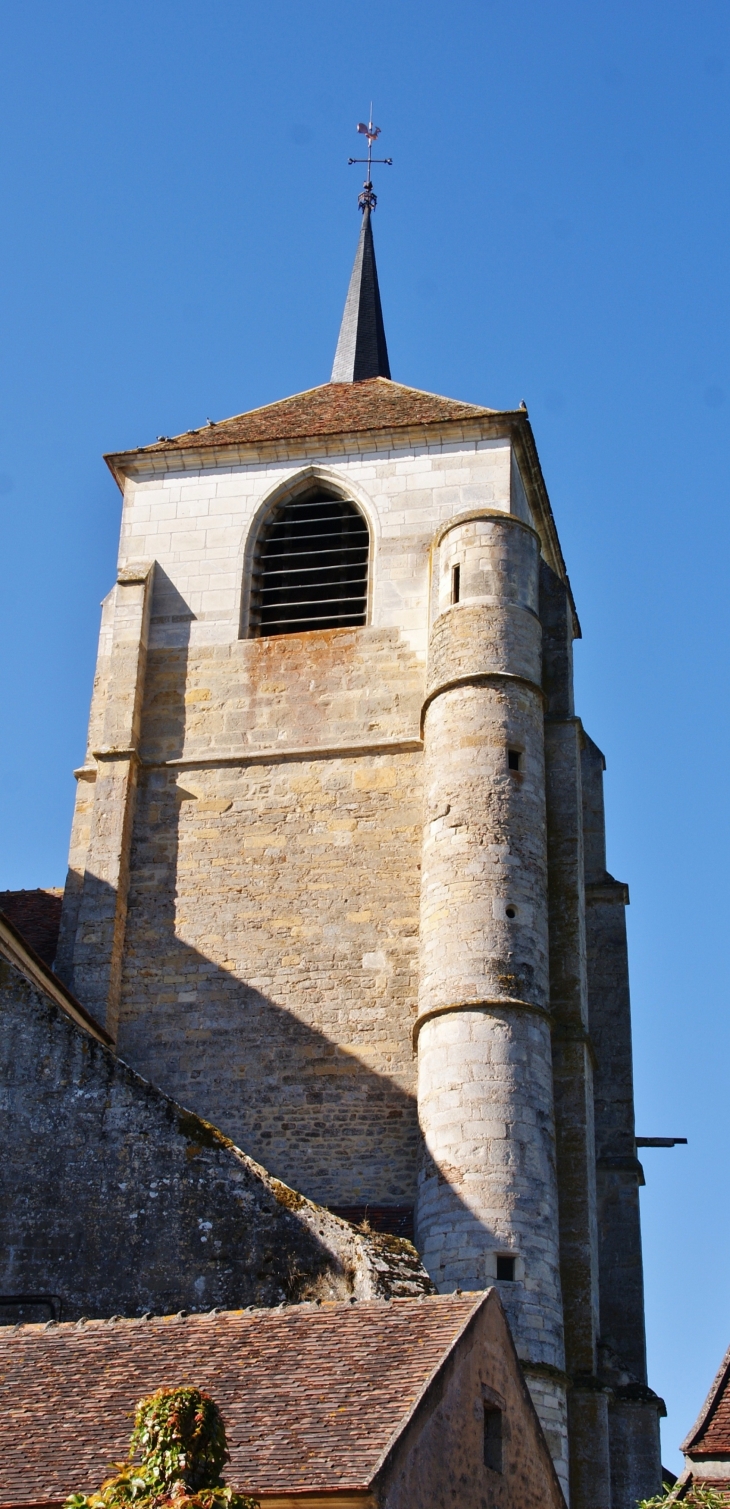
<point>707,1447</point>
<point>37,915</point>
<point>400,1405</point>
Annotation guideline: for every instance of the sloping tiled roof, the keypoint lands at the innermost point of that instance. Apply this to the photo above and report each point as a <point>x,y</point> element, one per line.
<point>710,1434</point>
<point>311,1397</point>
<point>37,915</point>
<point>333,409</point>
<point>21,956</point>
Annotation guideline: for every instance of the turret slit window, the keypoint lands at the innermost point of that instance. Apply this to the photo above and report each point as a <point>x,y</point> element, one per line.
<point>493,1437</point>
<point>311,567</point>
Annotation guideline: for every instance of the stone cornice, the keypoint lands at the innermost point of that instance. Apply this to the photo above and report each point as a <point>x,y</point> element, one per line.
<point>608,890</point>
<point>299,448</point>
<point>495,1003</point>
<point>480,678</point>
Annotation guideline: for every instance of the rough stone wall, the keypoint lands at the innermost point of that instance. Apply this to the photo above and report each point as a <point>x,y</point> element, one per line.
<point>102,905</point>
<point>572,1056</point>
<point>85,792</point>
<point>619,1172</point>
<point>251,698</point>
<point>635,1448</point>
<point>276,893</point>
<point>269,974</point>
<point>633,1414</point>
<point>200,529</point>
<point>119,1201</point>
<point>270,970</point>
<point>488,1184</point>
<point>440,1459</point>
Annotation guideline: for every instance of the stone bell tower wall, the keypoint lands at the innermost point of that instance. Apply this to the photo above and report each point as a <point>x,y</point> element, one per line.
<point>294,857</point>
<point>270,921</point>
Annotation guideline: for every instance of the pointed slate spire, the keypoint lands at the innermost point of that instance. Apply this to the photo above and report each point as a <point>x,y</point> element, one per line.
<point>361,349</point>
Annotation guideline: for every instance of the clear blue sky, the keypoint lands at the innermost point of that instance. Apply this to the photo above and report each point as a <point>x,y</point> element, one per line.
<point>179,224</point>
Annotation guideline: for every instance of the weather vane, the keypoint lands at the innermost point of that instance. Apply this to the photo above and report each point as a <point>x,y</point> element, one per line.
<point>367,200</point>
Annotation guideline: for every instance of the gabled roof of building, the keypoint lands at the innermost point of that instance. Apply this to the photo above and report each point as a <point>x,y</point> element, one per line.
<point>334,408</point>
<point>710,1434</point>
<point>16,951</point>
<point>37,915</point>
<point>313,1397</point>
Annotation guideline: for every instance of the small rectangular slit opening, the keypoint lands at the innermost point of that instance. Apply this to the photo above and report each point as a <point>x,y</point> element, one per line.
<point>506,1269</point>
<point>455,583</point>
<point>493,1437</point>
<point>513,759</point>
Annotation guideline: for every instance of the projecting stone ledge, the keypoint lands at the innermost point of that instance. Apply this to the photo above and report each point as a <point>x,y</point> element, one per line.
<point>119,1201</point>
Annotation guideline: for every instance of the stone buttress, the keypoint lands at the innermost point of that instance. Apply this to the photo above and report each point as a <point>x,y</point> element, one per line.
<point>91,944</point>
<point>488,1185</point>
<point>573,1055</point>
<point>634,1408</point>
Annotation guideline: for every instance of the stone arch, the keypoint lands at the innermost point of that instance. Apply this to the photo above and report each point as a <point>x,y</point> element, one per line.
<point>295,486</point>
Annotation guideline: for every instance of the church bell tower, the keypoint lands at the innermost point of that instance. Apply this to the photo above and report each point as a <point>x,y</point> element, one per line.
<point>337,873</point>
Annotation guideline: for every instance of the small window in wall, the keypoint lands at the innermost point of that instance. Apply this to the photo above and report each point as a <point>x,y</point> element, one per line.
<point>506,1269</point>
<point>310,568</point>
<point>513,759</point>
<point>455,583</point>
<point>493,1437</point>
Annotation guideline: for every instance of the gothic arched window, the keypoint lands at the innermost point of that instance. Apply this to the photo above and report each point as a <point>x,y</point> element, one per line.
<point>310,569</point>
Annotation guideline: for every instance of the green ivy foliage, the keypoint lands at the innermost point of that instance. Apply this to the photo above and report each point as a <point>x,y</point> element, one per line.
<point>180,1437</point>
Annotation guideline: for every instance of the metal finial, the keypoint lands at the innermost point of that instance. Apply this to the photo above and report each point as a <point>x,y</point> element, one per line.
<point>368,199</point>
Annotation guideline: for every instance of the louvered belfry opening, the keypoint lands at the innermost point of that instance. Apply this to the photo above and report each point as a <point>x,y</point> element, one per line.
<point>311,567</point>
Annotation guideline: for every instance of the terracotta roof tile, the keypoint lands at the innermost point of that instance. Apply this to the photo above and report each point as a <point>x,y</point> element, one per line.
<point>333,409</point>
<point>710,1434</point>
<point>37,915</point>
<point>311,1397</point>
<point>714,1440</point>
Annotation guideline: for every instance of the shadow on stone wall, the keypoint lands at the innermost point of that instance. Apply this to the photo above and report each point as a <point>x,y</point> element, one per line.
<point>117,1200</point>
<point>314,1114</point>
<point>317,1116</point>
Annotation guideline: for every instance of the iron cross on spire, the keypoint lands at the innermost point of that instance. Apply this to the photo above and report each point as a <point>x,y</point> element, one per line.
<point>367,200</point>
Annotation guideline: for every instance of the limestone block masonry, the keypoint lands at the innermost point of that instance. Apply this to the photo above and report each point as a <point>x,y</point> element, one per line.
<point>327,889</point>
<point>488,1183</point>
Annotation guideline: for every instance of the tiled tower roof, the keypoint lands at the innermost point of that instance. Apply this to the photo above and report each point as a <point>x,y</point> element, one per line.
<point>333,409</point>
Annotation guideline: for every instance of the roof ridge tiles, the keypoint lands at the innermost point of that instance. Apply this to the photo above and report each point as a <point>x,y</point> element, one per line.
<point>463,1299</point>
